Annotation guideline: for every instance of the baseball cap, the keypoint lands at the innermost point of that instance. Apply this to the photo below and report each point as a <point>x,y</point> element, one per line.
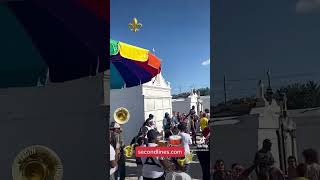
<point>114,125</point>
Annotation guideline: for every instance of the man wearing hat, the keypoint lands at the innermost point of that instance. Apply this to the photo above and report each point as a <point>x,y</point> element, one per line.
<point>117,142</point>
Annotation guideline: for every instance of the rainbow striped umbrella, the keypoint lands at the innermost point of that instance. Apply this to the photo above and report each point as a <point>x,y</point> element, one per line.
<point>131,66</point>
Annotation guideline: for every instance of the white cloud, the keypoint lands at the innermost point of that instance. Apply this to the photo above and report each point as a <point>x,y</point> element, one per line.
<point>205,63</point>
<point>305,6</point>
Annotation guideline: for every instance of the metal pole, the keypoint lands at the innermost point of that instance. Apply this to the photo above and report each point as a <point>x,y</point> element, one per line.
<point>280,149</point>
<point>225,90</point>
<point>269,81</point>
<point>292,146</point>
<point>283,150</point>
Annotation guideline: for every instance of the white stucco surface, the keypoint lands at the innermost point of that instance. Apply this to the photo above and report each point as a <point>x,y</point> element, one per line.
<point>205,102</point>
<point>153,97</point>
<point>268,126</point>
<point>262,123</point>
<point>65,117</point>
<point>184,105</point>
<point>131,99</point>
<point>181,105</point>
<point>269,115</point>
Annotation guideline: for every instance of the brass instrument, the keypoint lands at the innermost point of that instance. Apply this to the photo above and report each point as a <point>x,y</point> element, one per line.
<point>121,115</point>
<point>185,160</point>
<point>37,163</point>
<point>129,150</point>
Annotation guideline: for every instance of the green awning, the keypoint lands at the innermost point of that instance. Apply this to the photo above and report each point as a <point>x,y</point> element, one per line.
<point>114,47</point>
<point>116,81</point>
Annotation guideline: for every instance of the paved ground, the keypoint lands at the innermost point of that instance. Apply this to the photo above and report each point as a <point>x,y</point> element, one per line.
<point>196,172</point>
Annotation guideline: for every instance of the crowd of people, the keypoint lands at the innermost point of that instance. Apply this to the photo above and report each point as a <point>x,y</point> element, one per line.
<point>184,125</point>
<point>264,169</point>
<point>193,122</point>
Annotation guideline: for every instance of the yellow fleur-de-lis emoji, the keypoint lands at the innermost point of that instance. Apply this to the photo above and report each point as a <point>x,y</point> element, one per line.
<point>135,26</point>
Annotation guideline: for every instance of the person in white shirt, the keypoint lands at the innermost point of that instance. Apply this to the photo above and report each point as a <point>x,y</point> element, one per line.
<point>178,174</point>
<point>113,162</point>
<point>116,140</point>
<point>186,141</point>
<point>153,167</point>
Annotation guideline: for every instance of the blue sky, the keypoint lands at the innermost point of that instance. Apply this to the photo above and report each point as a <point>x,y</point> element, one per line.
<point>252,36</point>
<point>178,30</point>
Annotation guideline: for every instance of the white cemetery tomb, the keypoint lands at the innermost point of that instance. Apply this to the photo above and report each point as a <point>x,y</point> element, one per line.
<point>153,97</point>
<point>183,105</point>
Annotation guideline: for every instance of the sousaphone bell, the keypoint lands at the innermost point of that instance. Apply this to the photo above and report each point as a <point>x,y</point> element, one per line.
<point>37,163</point>
<point>121,115</point>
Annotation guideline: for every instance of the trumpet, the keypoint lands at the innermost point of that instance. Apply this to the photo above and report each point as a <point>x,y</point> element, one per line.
<point>121,115</point>
<point>128,150</point>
